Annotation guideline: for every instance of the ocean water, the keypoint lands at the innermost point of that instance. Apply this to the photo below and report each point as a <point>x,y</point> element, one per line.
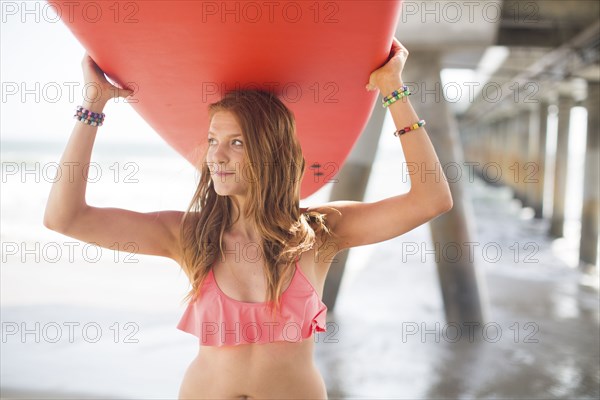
<point>140,178</point>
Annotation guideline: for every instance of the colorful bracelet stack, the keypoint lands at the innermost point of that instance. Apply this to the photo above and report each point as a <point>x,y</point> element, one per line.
<point>87,117</point>
<point>410,128</point>
<point>395,96</point>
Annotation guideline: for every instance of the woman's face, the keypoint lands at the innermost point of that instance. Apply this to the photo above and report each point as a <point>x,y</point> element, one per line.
<point>225,155</point>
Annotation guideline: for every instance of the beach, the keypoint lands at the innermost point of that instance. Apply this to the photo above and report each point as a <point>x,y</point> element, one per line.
<point>102,325</point>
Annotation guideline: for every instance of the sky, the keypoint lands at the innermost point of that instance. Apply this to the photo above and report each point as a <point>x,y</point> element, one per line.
<point>41,69</point>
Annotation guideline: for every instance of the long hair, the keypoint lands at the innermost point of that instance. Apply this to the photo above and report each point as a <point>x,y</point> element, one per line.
<point>275,167</point>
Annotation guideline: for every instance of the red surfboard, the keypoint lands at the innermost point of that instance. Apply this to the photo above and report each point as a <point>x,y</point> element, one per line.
<point>179,56</point>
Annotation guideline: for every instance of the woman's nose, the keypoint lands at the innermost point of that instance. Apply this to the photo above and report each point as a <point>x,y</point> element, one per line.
<point>220,154</point>
<point>218,158</point>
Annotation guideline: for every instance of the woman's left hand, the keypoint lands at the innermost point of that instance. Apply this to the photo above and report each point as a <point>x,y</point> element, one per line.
<point>392,70</point>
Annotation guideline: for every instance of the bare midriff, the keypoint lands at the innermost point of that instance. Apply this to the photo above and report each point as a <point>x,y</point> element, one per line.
<point>277,370</point>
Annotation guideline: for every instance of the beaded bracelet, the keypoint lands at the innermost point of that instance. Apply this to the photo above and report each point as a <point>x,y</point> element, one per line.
<point>397,97</point>
<point>410,128</point>
<point>88,117</point>
<point>402,88</point>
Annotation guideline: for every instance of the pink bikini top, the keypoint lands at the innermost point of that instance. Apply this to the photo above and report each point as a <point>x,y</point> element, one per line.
<point>218,320</point>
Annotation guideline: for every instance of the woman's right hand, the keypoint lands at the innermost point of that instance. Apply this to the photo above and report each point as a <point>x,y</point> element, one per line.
<point>390,73</point>
<point>97,88</point>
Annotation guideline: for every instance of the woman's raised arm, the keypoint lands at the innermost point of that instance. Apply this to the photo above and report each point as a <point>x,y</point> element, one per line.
<point>154,233</point>
<point>359,223</point>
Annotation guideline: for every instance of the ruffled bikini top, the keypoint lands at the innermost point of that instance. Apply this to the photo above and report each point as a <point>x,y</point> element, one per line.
<point>218,320</point>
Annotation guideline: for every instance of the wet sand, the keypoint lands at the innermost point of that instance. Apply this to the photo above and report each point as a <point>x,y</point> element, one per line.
<point>541,339</point>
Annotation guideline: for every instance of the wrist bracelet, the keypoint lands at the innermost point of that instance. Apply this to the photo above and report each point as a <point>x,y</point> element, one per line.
<point>88,117</point>
<point>414,126</point>
<point>396,97</point>
<point>401,89</point>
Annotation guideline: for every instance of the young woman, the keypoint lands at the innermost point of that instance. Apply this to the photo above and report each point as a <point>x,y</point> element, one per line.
<point>256,262</point>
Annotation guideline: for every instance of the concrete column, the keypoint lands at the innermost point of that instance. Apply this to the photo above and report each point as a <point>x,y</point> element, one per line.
<point>565,103</point>
<point>474,143</point>
<point>491,168</point>
<point>463,291</point>
<point>480,143</point>
<point>515,169</point>
<point>510,155</point>
<point>480,150</point>
<point>534,173</point>
<point>351,184</point>
<point>588,249</point>
<point>467,141</point>
<point>491,133</point>
<point>504,161</point>
<point>488,139</point>
<point>524,170</point>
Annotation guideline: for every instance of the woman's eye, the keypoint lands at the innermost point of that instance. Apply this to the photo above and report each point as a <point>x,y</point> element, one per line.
<point>234,140</point>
